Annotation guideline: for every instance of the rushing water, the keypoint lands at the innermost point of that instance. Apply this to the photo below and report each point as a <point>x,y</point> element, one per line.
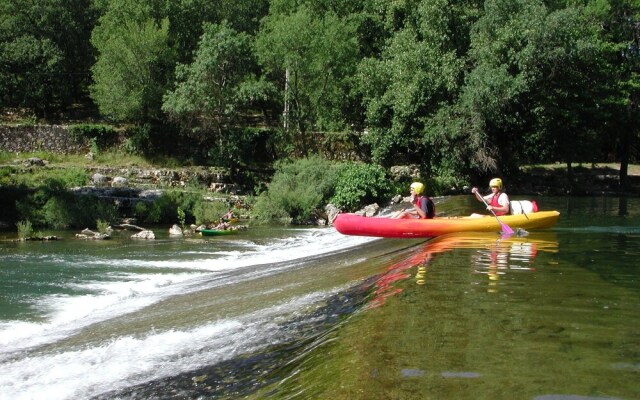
<point>309,313</point>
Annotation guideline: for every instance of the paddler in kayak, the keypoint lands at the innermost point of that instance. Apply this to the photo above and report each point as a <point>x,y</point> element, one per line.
<point>423,206</point>
<point>497,201</point>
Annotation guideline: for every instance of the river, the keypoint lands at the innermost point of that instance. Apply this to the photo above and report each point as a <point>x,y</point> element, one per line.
<point>305,313</point>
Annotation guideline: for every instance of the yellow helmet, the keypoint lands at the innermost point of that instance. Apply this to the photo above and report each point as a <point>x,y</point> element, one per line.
<point>417,187</point>
<point>497,182</point>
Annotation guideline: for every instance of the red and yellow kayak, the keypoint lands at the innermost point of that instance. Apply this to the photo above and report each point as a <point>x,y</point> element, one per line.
<point>352,224</point>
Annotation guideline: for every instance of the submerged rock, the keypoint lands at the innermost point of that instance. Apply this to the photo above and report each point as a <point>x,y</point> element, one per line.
<point>145,234</point>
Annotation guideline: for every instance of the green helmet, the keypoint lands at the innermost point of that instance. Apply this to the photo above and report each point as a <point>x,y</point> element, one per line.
<point>417,187</point>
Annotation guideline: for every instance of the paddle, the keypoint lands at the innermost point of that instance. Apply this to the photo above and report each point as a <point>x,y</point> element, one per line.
<point>505,228</point>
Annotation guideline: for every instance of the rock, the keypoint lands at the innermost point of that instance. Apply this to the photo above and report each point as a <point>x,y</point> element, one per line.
<point>34,161</point>
<point>129,227</point>
<point>146,234</point>
<point>88,234</point>
<point>99,179</point>
<point>396,199</point>
<point>332,212</point>
<point>119,181</point>
<point>369,211</point>
<point>175,230</point>
<point>404,172</point>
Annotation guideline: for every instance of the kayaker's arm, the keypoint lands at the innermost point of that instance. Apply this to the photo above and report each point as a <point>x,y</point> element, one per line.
<point>418,208</point>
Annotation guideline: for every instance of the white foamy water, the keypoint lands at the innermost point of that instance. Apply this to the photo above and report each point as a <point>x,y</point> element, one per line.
<point>29,371</point>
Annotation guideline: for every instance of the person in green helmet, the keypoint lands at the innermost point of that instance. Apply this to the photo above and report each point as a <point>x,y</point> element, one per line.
<point>423,206</point>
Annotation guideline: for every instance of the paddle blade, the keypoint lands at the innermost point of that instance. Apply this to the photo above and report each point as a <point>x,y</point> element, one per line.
<point>506,230</point>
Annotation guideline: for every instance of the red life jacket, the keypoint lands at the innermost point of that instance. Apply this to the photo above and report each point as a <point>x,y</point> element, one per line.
<point>494,203</point>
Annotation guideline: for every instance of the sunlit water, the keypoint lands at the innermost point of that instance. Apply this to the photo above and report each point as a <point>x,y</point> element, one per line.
<point>310,313</point>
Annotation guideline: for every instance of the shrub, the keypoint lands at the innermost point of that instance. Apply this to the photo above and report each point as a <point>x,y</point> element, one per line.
<point>25,229</point>
<point>359,184</point>
<point>99,136</point>
<point>297,189</point>
<point>206,212</point>
<point>52,206</point>
<point>137,140</point>
<point>102,226</point>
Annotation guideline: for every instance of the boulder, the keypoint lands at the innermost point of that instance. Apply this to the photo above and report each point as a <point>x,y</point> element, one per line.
<point>146,234</point>
<point>99,179</point>
<point>332,212</point>
<point>119,181</point>
<point>34,161</point>
<point>369,211</point>
<point>175,230</point>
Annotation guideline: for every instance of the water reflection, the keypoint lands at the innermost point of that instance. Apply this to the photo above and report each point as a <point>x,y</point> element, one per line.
<point>493,256</point>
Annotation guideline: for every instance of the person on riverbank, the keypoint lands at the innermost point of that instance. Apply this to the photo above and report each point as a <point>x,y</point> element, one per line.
<point>497,201</point>
<point>423,206</point>
<point>228,216</point>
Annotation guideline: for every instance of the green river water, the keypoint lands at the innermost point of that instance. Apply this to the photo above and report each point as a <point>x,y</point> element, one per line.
<point>308,313</point>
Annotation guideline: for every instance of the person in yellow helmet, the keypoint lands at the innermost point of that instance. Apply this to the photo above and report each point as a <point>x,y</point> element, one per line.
<point>497,201</point>
<point>423,206</point>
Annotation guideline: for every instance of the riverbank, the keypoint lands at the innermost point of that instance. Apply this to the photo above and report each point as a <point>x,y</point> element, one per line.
<point>585,180</point>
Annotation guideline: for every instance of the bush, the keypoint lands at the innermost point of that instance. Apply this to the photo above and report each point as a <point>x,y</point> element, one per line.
<point>137,140</point>
<point>206,212</point>
<point>25,229</point>
<point>360,184</point>
<point>297,190</point>
<point>54,207</point>
<point>100,136</point>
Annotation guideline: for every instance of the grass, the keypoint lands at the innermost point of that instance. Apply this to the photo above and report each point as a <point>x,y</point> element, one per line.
<point>111,158</point>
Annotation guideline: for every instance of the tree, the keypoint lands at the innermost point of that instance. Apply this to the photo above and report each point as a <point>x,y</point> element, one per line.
<point>620,31</point>
<point>215,88</point>
<point>420,70</point>
<point>311,56</point>
<point>535,84</point>
<point>134,61</point>
<point>45,53</point>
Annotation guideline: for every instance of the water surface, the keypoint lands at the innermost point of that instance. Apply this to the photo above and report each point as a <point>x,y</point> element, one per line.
<point>309,313</point>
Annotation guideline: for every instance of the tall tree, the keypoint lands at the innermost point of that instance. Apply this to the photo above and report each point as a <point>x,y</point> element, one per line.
<point>134,60</point>
<point>536,82</point>
<point>213,90</point>
<point>620,30</point>
<point>419,70</point>
<point>45,52</point>
<point>311,56</point>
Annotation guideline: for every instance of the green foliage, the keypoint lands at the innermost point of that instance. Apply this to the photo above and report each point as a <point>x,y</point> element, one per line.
<point>55,207</point>
<point>182,217</point>
<point>102,226</point>
<point>45,53</point>
<point>297,190</point>
<point>59,178</point>
<point>134,61</point>
<point>418,71</point>
<point>360,184</point>
<point>206,101</point>
<point>207,212</point>
<point>25,229</point>
<point>100,136</point>
<point>316,52</point>
<point>137,140</point>
<point>164,209</point>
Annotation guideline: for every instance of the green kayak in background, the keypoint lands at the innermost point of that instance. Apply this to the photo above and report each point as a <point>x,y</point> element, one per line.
<point>218,232</point>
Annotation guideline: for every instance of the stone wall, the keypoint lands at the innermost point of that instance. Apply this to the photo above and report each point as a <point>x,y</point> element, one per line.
<point>53,138</point>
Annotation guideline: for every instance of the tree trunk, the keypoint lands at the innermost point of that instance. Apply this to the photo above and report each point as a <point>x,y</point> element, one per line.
<point>285,112</point>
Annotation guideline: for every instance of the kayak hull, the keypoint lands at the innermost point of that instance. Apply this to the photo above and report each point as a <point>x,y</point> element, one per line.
<point>352,224</point>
